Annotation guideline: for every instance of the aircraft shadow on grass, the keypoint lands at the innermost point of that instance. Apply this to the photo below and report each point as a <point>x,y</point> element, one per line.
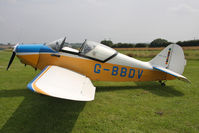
<point>153,87</point>
<point>41,114</point>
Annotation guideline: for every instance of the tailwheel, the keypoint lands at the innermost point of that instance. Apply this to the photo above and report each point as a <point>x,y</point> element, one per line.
<point>162,83</point>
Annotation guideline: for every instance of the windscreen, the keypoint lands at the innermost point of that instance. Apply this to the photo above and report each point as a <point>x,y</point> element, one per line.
<point>55,45</point>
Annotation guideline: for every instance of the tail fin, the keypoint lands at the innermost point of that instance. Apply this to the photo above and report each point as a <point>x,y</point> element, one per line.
<point>172,59</point>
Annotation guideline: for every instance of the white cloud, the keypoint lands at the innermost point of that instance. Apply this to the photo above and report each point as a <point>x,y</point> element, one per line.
<point>184,9</point>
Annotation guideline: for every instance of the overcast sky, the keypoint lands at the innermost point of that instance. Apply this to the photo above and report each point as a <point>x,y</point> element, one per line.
<point>119,20</point>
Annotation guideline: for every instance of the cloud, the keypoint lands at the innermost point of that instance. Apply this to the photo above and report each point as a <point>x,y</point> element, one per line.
<point>184,9</point>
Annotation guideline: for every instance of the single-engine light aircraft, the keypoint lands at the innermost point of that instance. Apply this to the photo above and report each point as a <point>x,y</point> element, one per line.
<point>67,72</point>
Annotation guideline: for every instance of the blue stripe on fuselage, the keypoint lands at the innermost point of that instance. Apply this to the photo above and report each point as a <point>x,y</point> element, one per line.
<point>34,48</point>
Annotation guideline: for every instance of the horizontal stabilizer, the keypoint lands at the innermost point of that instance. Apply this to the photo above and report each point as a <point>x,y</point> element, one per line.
<point>63,83</point>
<point>178,76</point>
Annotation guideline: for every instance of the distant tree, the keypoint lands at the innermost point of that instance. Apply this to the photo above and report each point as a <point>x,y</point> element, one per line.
<point>159,43</point>
<point>141,45</point>
<point>123,45</point>
<point>107,43</point>
<point>189,43</point>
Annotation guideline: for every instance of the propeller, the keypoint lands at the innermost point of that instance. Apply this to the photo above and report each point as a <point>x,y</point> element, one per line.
<point>62,44</point>
<point>12,57</point>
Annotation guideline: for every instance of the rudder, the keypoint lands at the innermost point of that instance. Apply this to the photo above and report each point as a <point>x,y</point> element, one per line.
<point>172,58</point>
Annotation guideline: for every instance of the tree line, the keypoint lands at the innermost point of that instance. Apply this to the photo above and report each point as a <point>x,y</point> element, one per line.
<point>155,43</point>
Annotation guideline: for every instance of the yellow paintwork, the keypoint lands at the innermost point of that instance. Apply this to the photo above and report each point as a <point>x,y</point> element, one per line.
<point>86,67</point>
<point>29,59</point>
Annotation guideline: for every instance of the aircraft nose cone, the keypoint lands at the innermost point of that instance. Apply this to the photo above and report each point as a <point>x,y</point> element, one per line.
<point>15,47</point>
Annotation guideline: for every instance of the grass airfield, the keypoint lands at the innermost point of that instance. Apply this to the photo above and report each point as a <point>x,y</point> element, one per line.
<point>118,106</point>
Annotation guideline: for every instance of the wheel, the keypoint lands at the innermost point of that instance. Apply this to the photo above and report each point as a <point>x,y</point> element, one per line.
<point>163,84</point>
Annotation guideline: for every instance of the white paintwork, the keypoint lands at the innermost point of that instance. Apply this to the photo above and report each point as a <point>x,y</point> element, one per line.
<point>125,60</point>
<point>28,53</point>
<point>63,83</point>
<point>70,49</point>
<point>176,60</point>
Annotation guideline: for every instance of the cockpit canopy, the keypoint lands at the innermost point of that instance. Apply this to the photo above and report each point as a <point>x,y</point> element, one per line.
<point>89,49</point>
<point>96,50</point>
<point>55,45</point>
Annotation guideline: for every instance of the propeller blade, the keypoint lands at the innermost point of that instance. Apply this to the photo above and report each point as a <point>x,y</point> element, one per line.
<point>11,59</point>
<point>62,44</point>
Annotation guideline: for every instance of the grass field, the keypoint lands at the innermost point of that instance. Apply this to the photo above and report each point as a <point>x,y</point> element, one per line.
<point>118,107</point>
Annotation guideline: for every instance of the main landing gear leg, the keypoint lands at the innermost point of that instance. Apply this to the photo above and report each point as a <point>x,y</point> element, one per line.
<point>162,83</point>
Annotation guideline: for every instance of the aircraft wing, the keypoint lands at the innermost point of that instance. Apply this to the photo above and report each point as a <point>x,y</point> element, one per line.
<point>178,76</point>
<point>63,83</point>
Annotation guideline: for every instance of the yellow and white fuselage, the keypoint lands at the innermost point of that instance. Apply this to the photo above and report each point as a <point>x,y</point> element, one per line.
<point>119,68</point>
<point>96,62</point>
